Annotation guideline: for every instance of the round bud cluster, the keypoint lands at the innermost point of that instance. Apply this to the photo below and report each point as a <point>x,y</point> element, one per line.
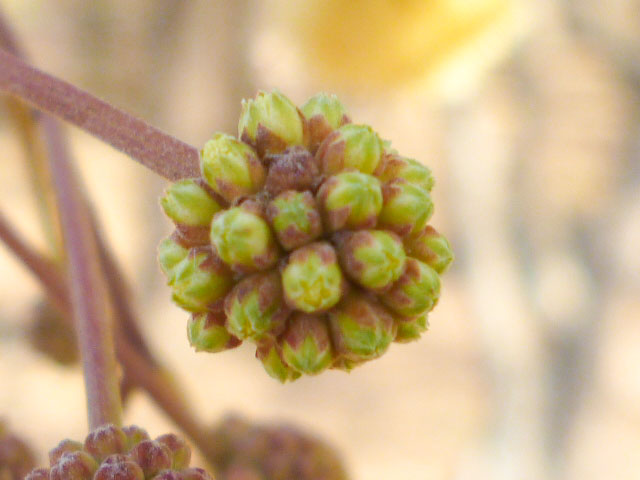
<point>306,235</point>
<point>246,451</point>
<point>114,453</point>
<point>16,458</point>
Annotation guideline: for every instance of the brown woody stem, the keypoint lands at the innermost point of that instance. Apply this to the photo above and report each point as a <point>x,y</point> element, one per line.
<point>162,153</point>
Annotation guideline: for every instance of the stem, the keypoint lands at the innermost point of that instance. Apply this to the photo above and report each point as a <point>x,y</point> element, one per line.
<point>89,299</point>
<point>162,153</point>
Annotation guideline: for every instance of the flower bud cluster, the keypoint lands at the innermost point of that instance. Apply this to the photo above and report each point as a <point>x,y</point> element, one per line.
<point>306,235</point>
<point>127,453</point>
<point>16,458</point>
<point>246,451</point>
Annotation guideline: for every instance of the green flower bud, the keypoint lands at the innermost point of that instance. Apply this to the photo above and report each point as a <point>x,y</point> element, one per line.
<point>231,168</point>
<point>152,457</point>
<point>411,329</point>
<point>207,333</point>
<point>361,329</point>
<point>416,291</point>
<point>372,258</point>
<point>104,441</point>
<point>407,208</point>
<point>312,279</point>
<point>170,254</point>
<point>394,166</point>
<point>306,345</point>
<point>200,281</point>
<point>255,307</point>
<point>294,218</point>
<point>350,147</point>
<point>294,169</point>
<point>187,202</point>
<point>430,247</point>
<point>134,435</point>
<point>270,123</point>
<point>74,466</point>
<point>180,451</point>
<point>273,364</point>
<point>243,240</point>
<point>350,200</point>
<point>324,114</point>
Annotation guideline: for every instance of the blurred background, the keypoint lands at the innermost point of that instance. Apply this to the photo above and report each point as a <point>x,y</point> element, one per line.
<point>529,115</point>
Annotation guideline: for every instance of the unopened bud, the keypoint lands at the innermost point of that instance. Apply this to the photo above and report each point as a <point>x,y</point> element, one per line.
<point>151,456</point>
<point>170,253</point>
<point>295,218</point>
<point>406,209</point>
<point>255,307</point>
<point>394,166</point>
<point>74,466</point>
<point>270,122</point>
<point>200,281</point>
<point>306,345</point>
<point>312,280</point>
<point>180,451</point>
<point>65,446</point>
<point>324,114</point>
<point>350,147</point>
<point>37,474</point>
<point>187,202</point>
<point>432,248</point>
<point>134,435</point>
<point>273,364</point>
<point>123,469</point>
<point>372,258</point>
<point>244,240</point>
<point>104,441</point>
<point>350,200</point>
<point>207,333</point>
<point>361,328</point>
<point>416,291</point>
<point>411,329</point>
<point>231,168</point>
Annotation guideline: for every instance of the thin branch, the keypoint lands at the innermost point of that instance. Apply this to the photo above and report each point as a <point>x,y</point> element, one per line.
<point>89,298</point>
<point>162,153</point>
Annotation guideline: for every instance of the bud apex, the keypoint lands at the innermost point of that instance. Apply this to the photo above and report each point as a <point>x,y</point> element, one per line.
<point>180,451</point>
<point>294,218</point>
<point>361,329</point>
<point>37,474</point>
<point>170,254</point>
<point>273,364</point>
<point>407,208</point>
<point>65,446</point>
<point>119,470</point>
<point>350,200</point>
<point>231,168</point>
<point>105,441</point>
<point>270,123</point>
<point>207,333</point>
<point>416,291</point>
<point>255,307</point>
<point>394,166</point>
<point>244,240</point>
<point>324,114</point>
<point>411,329</point>
<point>134,435</point>
<point>200,281</point>
<point>74,466</point>
<point>312,279</point>
<point>350,147</point>
<point>152,456</point>
<point>372,258</point>
<point>187,202</point>
<point>306,345</point>
<point>432,248</point>
<point>293,169</point>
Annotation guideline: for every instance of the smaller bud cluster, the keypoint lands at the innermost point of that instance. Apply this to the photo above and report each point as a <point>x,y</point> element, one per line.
<point>246,451</point>
<point>52,335</point>
<point>113,453</point>
<point>306,235</point>
<point>16,458</point>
